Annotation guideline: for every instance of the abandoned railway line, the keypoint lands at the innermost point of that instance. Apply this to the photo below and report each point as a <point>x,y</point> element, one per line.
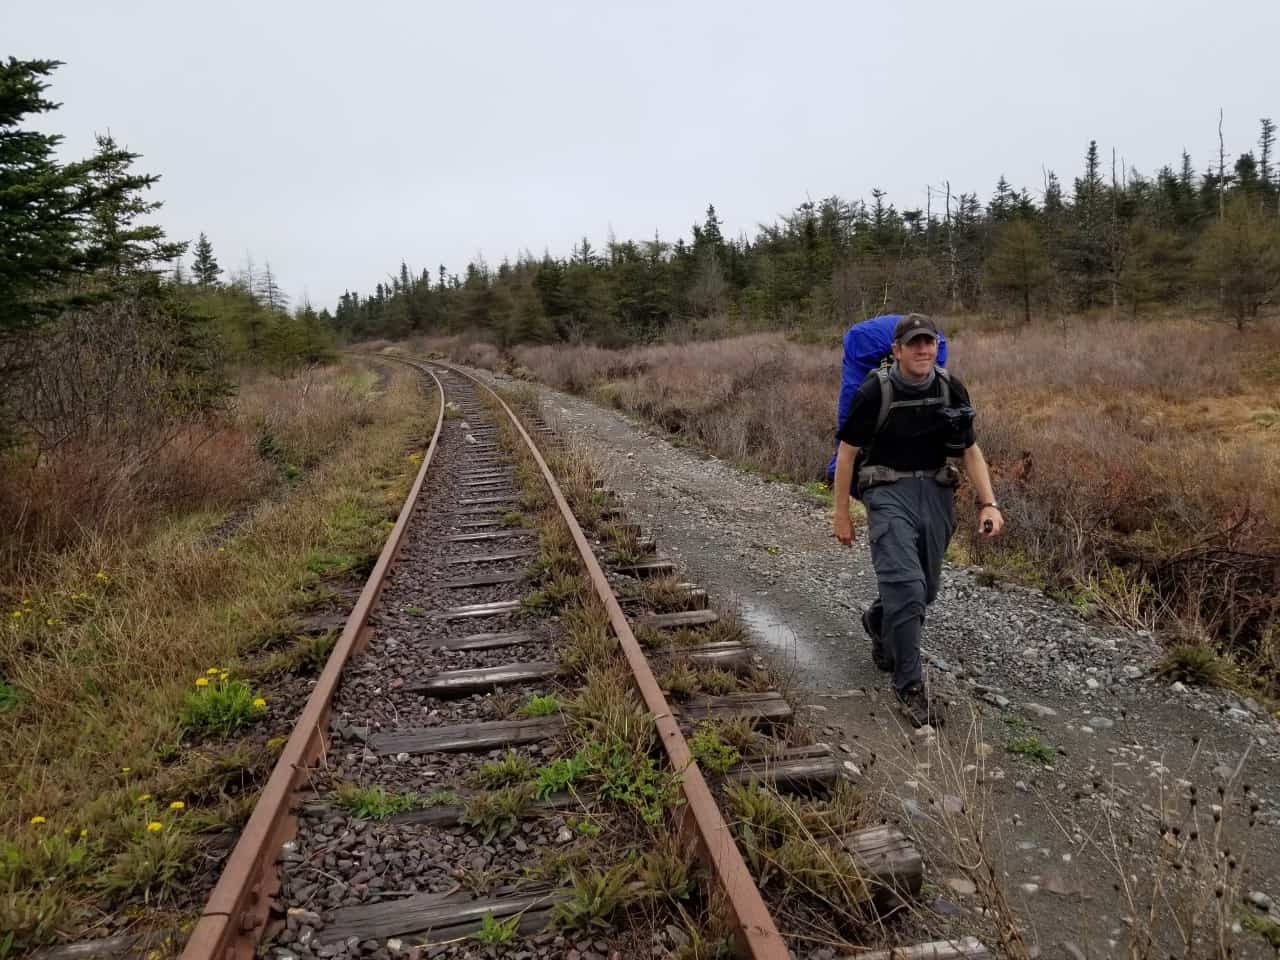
<point>533,739</point>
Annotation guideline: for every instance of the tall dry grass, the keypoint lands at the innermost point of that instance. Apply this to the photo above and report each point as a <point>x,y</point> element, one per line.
<point>111,486</point>
<point>1137,463</point>
<point>100,641</point>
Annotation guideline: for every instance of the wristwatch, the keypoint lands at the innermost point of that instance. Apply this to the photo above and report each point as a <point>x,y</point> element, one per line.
<point>992,503</point>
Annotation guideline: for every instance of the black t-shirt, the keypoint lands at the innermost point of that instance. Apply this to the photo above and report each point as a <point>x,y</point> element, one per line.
<point>913,438</point>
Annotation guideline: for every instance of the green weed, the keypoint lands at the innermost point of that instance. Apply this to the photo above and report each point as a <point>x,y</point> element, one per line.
<point>543,705</point>
<point>595,897</point>
<point>1032,747</point>
<point>712,753</point>
<point>555,593</point>
<point>1195,663</point>
<point>219,706</point>
<point>497,932</point>
<point>375,802</point>
<point>10,696</point>
<point>497,813</point>
<point>559,775</point>
<point>511,769</point>
<point>154,866</point>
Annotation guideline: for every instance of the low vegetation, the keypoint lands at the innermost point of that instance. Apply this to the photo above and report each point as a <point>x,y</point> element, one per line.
<point>1136,480</point>
<point>104,644</point>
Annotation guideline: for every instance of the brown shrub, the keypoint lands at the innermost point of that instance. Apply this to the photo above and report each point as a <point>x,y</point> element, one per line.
<point>114,485</point>
<point>1117,449</point>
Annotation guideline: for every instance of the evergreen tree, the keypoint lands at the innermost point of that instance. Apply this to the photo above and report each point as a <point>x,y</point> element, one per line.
<point>1018,265</point>
<point>204,267</point>
<point>1239,258</point>
<point>44,205</point>
<point>119,242</point>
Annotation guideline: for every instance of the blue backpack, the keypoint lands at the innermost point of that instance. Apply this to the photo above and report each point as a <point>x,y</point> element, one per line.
<point>866,346</point>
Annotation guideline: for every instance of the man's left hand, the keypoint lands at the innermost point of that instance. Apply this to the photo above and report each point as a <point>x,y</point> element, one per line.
<point>993,516</point>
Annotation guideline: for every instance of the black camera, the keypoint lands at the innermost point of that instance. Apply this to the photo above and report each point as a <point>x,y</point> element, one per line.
<point>959,421</point>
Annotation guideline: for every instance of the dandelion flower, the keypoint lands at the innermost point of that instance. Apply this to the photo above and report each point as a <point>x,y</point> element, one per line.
<point>17,614</point>
<point>126,769</point>
<point>223,675</point>
<point>84,833</point>
<point>100,575</point>
<point>177,805</point>
<point>259,703</point>
<point>36,821</point>
<point>50,622</point>
<point>202,681</point>
<point>143,798</point>
<point>26,601</point>
<point>222,549</point>
<point>212,670</point>
<point>155,826</point>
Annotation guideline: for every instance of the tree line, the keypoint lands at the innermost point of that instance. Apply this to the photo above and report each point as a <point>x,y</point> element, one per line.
<point>1115,239</point>
<point>102,333</point>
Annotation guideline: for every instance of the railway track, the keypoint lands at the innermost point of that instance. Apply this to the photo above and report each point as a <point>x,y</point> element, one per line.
<point>499,756</point>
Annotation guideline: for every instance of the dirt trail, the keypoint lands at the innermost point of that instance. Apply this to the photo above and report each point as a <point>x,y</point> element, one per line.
<point>1124,749</point>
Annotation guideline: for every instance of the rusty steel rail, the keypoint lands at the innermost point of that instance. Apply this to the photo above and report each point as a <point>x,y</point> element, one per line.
<point>235,915</point>
<point>756,934</point>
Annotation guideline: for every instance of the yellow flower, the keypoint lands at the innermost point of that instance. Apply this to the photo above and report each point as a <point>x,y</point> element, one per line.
<point>100,575</point>
<point>155,826</point>
<point>126,769</point>
<point>177,805</point>
<point>49,622</point>
<point>222,549</point>
<point>36,821</point>
<point>26,602</point>
<point>17,614</point>
<point>202,681</point>
<point>259,703</point>
<point>223,677</point>
<point>84,833</point>
<point>212,670</point>
<point>143,798</point>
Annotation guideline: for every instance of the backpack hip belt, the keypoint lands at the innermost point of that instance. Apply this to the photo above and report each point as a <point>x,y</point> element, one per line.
<point>874,476</point>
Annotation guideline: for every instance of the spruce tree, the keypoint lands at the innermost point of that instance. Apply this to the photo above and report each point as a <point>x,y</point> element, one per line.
<point>119,243</point>
<point>1018,265</point>
<point>204,267</point>
<point>44,203</point>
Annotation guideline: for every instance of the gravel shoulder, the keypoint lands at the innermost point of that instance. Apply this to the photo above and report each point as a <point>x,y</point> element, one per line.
<point>1074,837</point>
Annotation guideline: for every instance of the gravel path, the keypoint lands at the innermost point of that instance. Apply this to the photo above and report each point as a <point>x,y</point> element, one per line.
<point>1127,749</point>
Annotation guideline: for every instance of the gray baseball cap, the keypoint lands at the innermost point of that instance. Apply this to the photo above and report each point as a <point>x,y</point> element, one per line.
<point>914,325</point>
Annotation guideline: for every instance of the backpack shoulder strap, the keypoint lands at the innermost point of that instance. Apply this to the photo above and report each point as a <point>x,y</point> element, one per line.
<point>944,380</point>
<point>886,396</point>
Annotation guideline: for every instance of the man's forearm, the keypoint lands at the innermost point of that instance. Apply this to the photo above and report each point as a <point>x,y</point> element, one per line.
<point>975,465</point>
<point>844,477</point>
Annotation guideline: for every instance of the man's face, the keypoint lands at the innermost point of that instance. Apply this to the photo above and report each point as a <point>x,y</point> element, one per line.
<point>917,356</point>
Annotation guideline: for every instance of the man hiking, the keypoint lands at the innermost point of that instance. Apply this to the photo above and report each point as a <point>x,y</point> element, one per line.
<point>905,421</point>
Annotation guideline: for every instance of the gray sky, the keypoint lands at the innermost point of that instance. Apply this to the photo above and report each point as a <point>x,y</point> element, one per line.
<point>335,138</point>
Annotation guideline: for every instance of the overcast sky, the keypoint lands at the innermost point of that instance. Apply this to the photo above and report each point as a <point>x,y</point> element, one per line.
<point>335,138</point>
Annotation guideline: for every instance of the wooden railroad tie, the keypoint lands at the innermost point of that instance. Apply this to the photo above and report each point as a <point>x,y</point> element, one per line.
<point>438,917</point>
<point>485,580</point>
<point>648,569</point>
<point>495,609</point>
<point>493,557</point>
<point>468,737</point>
<point>488,641</point>
<point>675,621</point>
<point>490,535</point>
<point>461,683</point>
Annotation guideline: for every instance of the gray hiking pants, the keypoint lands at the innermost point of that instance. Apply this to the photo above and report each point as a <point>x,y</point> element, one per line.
<point>909,524</point>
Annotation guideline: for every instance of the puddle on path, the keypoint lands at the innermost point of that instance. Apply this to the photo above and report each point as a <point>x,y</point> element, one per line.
<point>771,630</point>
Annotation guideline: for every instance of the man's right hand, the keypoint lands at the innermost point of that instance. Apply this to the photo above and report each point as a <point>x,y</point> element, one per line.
<point>844,529</point>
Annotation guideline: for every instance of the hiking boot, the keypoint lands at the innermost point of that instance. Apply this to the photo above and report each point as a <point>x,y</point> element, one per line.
<point>879,656</point>
<point>917,707</point>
